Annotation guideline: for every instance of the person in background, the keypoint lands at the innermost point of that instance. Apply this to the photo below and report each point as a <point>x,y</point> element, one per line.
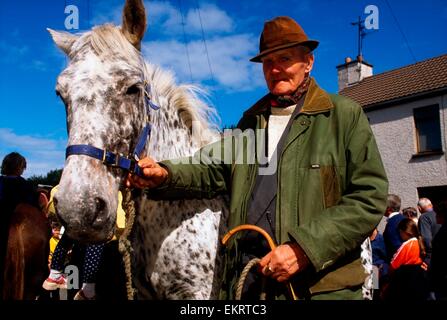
<point>408,279</point>
<point>391,234</point>
<point>380,261</point>
<point>428,227</point>
<point>411,213</point>
<point>438,263</point>
<point>56,235</point>
<point>14,189</point>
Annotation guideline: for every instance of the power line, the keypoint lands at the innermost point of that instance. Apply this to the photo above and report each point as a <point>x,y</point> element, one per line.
<point>88,14</point>
<point>401,31</point>
<point>204,42</point>
<point>66,56</point>
<point>185,40</point>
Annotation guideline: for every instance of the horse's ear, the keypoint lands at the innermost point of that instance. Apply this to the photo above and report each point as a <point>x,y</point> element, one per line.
<point>134,22</point>
<point>64,40</point>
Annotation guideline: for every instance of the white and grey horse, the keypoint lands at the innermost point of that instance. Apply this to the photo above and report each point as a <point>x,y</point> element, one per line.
<point>108,91</point>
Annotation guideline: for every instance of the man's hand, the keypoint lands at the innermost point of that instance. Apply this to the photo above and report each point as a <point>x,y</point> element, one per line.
<point>154,175</point>
<point>284,261</point>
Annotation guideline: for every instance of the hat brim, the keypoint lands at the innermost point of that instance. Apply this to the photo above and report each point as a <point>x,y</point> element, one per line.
<point>311,44</point>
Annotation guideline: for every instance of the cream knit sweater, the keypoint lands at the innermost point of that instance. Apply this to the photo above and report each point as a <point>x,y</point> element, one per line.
<point>277,123</point>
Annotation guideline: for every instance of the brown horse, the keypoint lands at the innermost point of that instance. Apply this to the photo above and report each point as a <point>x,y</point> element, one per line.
<point>26,262</point>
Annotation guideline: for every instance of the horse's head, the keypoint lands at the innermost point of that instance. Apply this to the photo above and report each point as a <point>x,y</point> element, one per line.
<point>103,89</point>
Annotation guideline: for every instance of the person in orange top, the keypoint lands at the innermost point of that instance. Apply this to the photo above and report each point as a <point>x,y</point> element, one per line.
<point>412,250</point>
<point>408,278</point>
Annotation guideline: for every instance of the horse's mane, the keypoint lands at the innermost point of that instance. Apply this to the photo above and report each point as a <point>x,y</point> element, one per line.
<point>188,100</point>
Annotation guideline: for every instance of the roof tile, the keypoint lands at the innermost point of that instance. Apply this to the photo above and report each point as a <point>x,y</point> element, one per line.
<point>416,78</point>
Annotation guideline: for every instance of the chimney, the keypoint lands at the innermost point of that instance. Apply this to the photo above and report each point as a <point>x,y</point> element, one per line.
<point>352,72</point>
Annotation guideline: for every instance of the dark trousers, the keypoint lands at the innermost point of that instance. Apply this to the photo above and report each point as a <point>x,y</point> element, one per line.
<point>93,256</point>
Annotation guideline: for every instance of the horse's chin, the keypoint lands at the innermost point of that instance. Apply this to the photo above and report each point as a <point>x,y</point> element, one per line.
<point>89,235</point>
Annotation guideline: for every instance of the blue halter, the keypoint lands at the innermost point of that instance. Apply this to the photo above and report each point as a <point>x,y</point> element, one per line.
<point>112,159</point>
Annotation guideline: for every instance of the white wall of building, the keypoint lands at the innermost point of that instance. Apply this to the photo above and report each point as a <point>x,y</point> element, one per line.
<point>395,133</point>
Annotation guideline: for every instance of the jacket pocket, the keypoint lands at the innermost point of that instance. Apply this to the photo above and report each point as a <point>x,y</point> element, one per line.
<point>310,195</point>
<point>330,185</point>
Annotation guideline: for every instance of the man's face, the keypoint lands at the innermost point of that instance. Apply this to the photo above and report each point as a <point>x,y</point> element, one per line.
<point>284,70</point>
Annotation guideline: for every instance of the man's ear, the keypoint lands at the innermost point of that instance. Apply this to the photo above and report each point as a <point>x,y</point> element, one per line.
<point>310,62</point>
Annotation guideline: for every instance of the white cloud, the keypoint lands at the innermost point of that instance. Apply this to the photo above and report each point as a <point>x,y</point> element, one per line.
<point>229,58</point>
<point>166,19</point>
<point>42,154</point>
<point>35,64</point>
<point>213,19</point>
<point>105,12</point>
<point>229,53</point>
<point>163,13</point>
<point>10,52</point>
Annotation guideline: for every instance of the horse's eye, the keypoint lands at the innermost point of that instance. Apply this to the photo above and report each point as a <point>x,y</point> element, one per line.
<point>133,89</point>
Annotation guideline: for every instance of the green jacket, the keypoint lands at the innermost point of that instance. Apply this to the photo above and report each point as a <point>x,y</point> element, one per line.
<point>331,194</point>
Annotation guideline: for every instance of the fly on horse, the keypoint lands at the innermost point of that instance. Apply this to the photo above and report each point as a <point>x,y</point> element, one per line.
<point>26,262</point>
<point>119,108</point>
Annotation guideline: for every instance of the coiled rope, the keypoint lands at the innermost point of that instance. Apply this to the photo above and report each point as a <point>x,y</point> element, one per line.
<point>255,261</point>
<point>240,284</point>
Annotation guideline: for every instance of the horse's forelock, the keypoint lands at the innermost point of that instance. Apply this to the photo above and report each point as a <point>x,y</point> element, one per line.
<point>108,42</point>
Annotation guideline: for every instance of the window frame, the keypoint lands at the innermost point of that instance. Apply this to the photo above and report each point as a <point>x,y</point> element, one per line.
<point>417,112</point>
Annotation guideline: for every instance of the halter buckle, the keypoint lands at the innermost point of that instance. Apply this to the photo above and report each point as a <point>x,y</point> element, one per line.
<point>104,153</point>
<point>117,160</point>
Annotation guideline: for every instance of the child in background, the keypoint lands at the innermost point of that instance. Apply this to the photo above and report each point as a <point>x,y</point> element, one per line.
<point>56,230</point>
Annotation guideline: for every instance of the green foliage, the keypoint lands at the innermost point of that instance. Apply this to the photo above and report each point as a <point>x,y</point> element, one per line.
<point>51,178</point>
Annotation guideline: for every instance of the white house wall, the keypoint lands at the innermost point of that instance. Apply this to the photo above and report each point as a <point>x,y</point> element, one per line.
<point>395,134</point>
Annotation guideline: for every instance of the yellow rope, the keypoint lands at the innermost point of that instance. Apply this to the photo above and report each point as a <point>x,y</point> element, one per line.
<point>124,244</point>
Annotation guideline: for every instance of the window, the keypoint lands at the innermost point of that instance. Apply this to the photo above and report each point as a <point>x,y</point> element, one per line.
<point>428,130</point>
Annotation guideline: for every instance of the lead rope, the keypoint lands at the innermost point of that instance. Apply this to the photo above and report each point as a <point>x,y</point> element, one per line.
<point>240,284</point>
<point>124,245</point>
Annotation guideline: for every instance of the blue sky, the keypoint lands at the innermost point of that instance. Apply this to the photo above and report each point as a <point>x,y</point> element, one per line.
<point>32,118</point>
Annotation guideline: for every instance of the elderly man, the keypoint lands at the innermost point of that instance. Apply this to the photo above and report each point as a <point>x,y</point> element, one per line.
<point>428,227</point>
<point>325,196</point>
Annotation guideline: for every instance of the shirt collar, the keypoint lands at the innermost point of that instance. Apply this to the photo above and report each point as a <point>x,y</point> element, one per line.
<point>393,214</point>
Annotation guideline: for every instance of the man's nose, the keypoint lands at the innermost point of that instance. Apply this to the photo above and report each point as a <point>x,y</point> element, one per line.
<point>275,68</point>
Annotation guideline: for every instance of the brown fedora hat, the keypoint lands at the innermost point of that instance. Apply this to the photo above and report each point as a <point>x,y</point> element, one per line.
<point>281,33</point>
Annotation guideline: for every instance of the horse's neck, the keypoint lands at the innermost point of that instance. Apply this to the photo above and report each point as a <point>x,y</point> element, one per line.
<point>170,137</point>
<point>168,141</point>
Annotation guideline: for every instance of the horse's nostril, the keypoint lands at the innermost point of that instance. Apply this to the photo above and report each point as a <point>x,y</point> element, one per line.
<point>100,205</point>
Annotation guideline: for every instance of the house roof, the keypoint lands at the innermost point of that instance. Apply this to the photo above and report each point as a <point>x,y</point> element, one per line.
<point>422,77</point>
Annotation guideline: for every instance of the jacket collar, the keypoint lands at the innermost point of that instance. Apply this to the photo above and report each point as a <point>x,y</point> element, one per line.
<point>317,100</point>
